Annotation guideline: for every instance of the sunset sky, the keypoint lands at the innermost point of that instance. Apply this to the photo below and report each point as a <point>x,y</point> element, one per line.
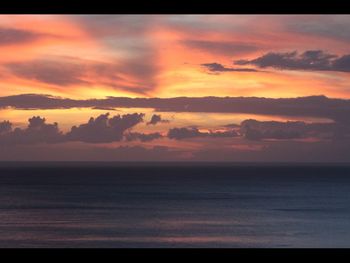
<point>228,87</point>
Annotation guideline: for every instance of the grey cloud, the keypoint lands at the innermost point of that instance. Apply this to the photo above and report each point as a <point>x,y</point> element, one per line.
<point>101,129</point>
<point>313,60</point>
<point>223,134</point>
<point>216,67</point>
<point>143,137</point>
<point>104,129</point>
<point>156,119</point>
<point>313,106</point>
<point>37,131</point>
<point>185,133</point>
<point>5,127</point>
<point>260,130</point>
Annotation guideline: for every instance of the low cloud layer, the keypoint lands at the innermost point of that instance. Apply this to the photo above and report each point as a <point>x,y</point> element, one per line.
<point>102,129</point>
<point>260,130</point>
<point>313,106</point>
<point>132,136</point>
<point>37,131</point>
<point>313,60</point>
<point>250,140</point>
<point>186,133</point>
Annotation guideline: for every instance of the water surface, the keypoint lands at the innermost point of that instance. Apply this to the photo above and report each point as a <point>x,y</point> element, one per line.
<point>174,206</point>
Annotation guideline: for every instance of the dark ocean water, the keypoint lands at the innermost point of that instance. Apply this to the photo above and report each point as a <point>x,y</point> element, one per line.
<point>174,206</point>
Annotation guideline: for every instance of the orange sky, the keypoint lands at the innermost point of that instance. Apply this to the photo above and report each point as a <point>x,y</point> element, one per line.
<point>86,57</point>
<point>157,56</point>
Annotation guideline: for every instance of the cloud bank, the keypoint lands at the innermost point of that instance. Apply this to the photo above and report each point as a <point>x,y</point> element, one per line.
<point>313,106</point>
<point>185,133</point>
<point>102,129</point>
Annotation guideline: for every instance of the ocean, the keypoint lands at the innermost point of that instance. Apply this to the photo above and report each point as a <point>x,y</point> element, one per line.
<point>133,205</point>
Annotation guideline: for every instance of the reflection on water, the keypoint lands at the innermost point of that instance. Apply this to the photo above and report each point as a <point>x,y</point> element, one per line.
<point>174,207</point>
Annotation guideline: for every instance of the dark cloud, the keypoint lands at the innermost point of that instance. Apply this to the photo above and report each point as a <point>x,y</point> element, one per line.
<point>216,67</point>
<point>260,130</point>
<point>185,133</point>
<point>313,60</point>
<point>156,119</point>
<point>10,36</point>
<point>104,129</point>
<point>5,127</point>
<point>132,136</point>
<point>37,131</point>
<point>223,134</point>
<point>226,48</point>
<point>313,106</point>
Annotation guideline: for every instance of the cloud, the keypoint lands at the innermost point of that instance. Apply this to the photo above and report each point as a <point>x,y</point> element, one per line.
<point>185,133</point>
<point>5,127</point>
<point>50,72</point>
<point>312,106</point>
<point>223,134</point>
<point>260,130</point>
<point>132,136</point>
<point>104,129</point>
<point>226,48</point>
<point>156,119</point>
<point>216,67</point>
<point>11,36</point>
<point>37,131</point>
<point>68,71</point>
<point>313,60</point>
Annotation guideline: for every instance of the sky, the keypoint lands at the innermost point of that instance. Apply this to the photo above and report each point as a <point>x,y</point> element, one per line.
<point>233,88</point>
